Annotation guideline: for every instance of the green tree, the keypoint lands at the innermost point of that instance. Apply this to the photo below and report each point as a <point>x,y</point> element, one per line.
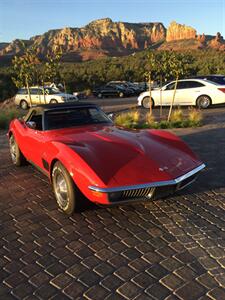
<point>178,66</point>
<point>52,66</point>
<point>152,67</point>
<point>24,68</point>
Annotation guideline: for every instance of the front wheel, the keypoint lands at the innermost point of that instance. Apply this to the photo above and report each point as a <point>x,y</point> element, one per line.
<point>146,102</point>
<point>16,155</point>
<point>203,102</point>
<point>64,189</point>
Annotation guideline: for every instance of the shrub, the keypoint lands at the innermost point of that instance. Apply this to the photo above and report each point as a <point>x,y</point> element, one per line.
<point>177,116</point>
<point>3,121</point>
<point>195,116</point>
<point>178,120</point>
<point>129,119</point>
<point>7,115</point>
<point>150,120</point>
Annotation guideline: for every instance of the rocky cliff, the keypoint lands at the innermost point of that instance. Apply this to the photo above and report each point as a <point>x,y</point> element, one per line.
<point>107,38</point>
<point>180,37</point>
<point>217,42</point>
<point>100,36</point>
<point>179,32</point>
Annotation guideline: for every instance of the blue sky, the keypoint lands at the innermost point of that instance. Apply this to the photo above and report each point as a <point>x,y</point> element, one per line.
<point>26,18</point>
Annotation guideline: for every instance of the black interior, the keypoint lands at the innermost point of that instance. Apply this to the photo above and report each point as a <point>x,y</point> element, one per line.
<point>38,120</point>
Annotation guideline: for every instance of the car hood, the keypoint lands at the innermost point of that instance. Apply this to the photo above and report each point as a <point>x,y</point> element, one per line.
<point>128,157</point>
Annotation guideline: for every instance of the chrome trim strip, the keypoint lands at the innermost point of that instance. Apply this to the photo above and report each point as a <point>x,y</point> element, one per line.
<point>148,185</point>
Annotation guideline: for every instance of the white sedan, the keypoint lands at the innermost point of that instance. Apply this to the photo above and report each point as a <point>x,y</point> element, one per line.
<point>201,93</point>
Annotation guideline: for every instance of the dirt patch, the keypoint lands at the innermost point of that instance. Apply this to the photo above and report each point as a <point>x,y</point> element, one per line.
<point>8,104</point>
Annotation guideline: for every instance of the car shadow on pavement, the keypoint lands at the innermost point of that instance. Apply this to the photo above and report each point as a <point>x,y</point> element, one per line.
<point>209,145</point>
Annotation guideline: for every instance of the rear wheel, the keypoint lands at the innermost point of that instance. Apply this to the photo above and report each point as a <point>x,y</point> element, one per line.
<point>23,104</point>
<point>203,102</point>
<point>146,102</point>
<point>53,101</point>
<point>64,189</point>
<point>16,155</point>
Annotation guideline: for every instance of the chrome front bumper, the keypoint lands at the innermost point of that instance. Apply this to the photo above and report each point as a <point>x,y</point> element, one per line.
<point>148,191</point>
<point>178,182</point>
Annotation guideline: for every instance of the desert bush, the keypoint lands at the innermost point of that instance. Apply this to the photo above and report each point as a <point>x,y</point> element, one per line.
<point>178,120</point>
<point>195,116</point>
<point>8,115</point>
<point>177,115</point>
<point>129,119</point>
<point>150,120</point>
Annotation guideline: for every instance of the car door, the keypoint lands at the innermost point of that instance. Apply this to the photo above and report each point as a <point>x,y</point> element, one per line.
<point>167,93</point>
<point>42,97</point>
<point>35,96</point>
<point>189,92</point>
<point>34,140</point>
<point>110,90</point>
<point>181,94</point>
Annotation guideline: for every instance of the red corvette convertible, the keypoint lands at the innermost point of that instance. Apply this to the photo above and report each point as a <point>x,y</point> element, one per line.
<point>81,151</point>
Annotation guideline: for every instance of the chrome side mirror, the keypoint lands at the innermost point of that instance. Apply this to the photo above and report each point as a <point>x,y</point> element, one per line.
<point>31,124</point>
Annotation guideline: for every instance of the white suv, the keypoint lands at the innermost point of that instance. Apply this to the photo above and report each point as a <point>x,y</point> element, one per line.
<point>52,95</point>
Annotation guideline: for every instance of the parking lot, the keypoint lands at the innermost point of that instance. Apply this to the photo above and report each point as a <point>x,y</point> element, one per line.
<point>167,249</point>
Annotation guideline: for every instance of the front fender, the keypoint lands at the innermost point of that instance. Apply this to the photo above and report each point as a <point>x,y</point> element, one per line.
<point>174,141</point>
<point>82,174</point>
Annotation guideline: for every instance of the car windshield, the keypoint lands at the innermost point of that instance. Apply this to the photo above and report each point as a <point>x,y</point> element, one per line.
<point>65,118</point>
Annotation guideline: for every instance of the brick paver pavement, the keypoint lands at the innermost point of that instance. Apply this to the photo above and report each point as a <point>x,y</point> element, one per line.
<point>170,249</point>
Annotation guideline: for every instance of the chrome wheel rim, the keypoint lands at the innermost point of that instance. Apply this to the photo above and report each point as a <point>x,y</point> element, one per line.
<point>146,103</point>
<point>204,102</point>
<point>61,191</point>
<point>13,150</point>
<point>24,105</point>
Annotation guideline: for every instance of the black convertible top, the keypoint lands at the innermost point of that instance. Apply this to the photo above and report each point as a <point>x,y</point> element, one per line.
<point>64,105</point>
<point>39,109</point>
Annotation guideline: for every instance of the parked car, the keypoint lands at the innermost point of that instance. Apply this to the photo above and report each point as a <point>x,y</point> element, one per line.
<point>220,79</point>
<point>199,92</point>
<point>112,90</point>
<point>134,90</point>
<point>50,95</point>
<point>80,150</point>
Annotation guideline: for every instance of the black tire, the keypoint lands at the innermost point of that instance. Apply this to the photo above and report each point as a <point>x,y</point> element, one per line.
<point>99,95</point>
<point>146,102</point>
<point>203,102</point>
<point>53,101</point>
<point>64,189</point>
<point>121,94</point>
<point>23,104</point>
<point>16,155</point>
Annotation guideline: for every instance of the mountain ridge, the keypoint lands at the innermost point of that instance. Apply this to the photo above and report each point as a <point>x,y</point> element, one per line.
<point>103,37</point>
